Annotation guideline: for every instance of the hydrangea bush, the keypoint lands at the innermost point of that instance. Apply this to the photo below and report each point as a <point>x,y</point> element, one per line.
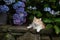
<point>4,8</point>
<point>18,4</point>
<point>19,16</point>
<point>8,2</point>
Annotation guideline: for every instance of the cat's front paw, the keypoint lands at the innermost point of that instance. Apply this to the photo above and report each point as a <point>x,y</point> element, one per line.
<point>28,27</point>
<point>38,30</point>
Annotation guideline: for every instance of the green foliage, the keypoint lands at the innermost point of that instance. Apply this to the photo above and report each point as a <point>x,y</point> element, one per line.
<point>57,20</point>
<point>49,15</point>
<point>52,0</point>
<point>49,26</point>
<point>46,5</point>
<point>57,29</point>
<point>47,20</point>
<point>52,21</point>
<point>9,37</point>
<point>31,17</point>
<point>37,13</point>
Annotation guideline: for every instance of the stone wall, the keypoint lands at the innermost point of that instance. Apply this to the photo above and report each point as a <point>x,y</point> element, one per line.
<point>22,33</point>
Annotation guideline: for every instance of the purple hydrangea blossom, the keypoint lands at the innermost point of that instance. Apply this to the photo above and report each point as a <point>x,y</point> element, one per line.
<point>18,5</point>
<point>54,12</point>
<point>25,13</point>
<point>34,8</point>
<point>19,18</point>
<point>20,10</point>
<point>19,22</point>
<point>8,2</point>
<point>16,22</point>
<point>4,8</point>
<point>15,16</point>
<point>16,19</point>
<point>47,9</point>
<point>23,20</point>
<point>30,7</point>
<point>19,15</point>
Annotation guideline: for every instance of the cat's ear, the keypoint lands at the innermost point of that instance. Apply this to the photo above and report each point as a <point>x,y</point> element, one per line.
<point>35,18</point>
<point>40,18</point>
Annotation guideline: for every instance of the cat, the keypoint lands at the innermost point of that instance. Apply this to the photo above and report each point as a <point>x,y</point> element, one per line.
<point>37,24</point>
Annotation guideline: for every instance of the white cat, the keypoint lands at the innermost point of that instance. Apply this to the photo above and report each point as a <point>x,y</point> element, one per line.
<point>37,24</point>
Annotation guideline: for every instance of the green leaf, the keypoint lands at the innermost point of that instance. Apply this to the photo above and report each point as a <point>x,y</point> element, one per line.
<point>31,17</point>
<point>46,5</point>
<point>9,37</point>
<point>37,13</point>
<point>49,15</point>
<point>52,0</point>
<point>57,29</point>
<point>49,26</point>
<point>57,20</point>
<point>53,6</point>
<point>46,20</point>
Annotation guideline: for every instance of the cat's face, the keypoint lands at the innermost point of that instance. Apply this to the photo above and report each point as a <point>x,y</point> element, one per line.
<point>37,21</point>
